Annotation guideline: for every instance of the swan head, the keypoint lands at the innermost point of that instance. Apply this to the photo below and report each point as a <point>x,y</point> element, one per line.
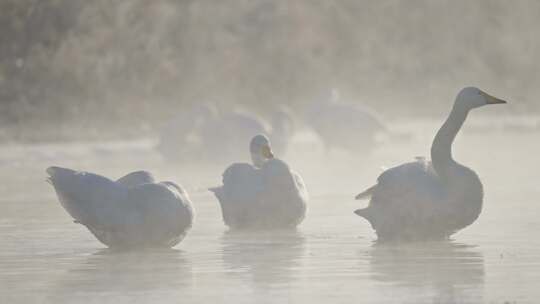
<point>470,98</point>
<point>260,150</point>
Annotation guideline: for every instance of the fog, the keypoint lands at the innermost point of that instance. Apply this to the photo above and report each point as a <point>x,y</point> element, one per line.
<point>343,89</point>
<point>83,63</point>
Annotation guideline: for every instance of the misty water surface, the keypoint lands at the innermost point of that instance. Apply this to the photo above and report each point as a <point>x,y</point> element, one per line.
<point>331,258</point>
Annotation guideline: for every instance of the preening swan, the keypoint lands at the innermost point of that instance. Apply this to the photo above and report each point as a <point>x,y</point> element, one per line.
<point>133,211</point>
<point>425,200</point>
<point>265,194</point>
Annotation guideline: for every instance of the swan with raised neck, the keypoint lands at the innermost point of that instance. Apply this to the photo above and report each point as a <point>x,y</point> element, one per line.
<point>422,199</point>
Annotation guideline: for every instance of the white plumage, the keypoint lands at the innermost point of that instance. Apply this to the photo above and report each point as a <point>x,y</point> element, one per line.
<point>267,194</point>
<point>133,211</point>
<point>421,199</point>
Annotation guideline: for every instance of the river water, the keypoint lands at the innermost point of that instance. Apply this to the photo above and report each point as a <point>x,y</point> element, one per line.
<point>333,257</point>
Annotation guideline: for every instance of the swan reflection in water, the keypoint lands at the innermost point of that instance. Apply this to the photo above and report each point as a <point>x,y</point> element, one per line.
<point>267,258</point>
<point>444,271</point>
<point>108,276</point>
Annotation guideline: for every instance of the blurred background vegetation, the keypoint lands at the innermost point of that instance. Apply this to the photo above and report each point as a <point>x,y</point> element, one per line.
<point>95,67</point>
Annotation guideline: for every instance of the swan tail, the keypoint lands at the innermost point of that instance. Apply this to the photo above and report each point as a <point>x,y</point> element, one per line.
<point>366,194</point>
<point>218,192</point>
<point>89,198</point>
<point>64,182</point>
<point>365,213</point>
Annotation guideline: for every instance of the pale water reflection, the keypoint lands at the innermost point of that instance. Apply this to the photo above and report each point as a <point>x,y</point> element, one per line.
<point>108,275</point>
<point>266,258</point>
<point>447,271</point>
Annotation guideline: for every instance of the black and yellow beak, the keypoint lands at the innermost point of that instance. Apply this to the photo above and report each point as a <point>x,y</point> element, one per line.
<point>492,100</point>
<point>267,152</point>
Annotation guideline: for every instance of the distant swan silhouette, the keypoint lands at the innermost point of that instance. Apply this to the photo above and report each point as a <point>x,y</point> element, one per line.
<point>266,194</point>
<point>132,212</point>
<point>336,122</point>
<point>199,133</point>
<point>230,130</point>
<point>425,200</point>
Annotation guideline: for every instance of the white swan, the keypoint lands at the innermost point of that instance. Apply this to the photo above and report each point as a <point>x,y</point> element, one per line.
<point>266,194</point>
<point>424,199</point>
<point>133,211</point>
<point>198,134</point>
<point>336,123</point>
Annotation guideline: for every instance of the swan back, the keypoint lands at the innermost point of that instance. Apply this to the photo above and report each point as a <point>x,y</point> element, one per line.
<point>166,213</point>
<point>411,201</point>
<point>136,178</point>
<point>239,197</point>
<point>349,121</point>
<point>285,194</point>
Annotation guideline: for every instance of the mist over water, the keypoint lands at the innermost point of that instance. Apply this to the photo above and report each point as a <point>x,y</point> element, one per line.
<point>126,66</point>
<point>95,86</point>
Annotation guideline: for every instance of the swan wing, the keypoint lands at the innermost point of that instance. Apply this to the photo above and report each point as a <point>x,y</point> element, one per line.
<point>240,193</point>
<point>410,195</point>
<point>136,178</point>
<point>347,120</point>
<point>300,186</point>
<point>285,196</point>
<point>161,214</point>
<point>408,186</point>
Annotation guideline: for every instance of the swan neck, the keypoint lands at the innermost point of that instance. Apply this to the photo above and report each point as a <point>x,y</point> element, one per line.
<point>441,150</point>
